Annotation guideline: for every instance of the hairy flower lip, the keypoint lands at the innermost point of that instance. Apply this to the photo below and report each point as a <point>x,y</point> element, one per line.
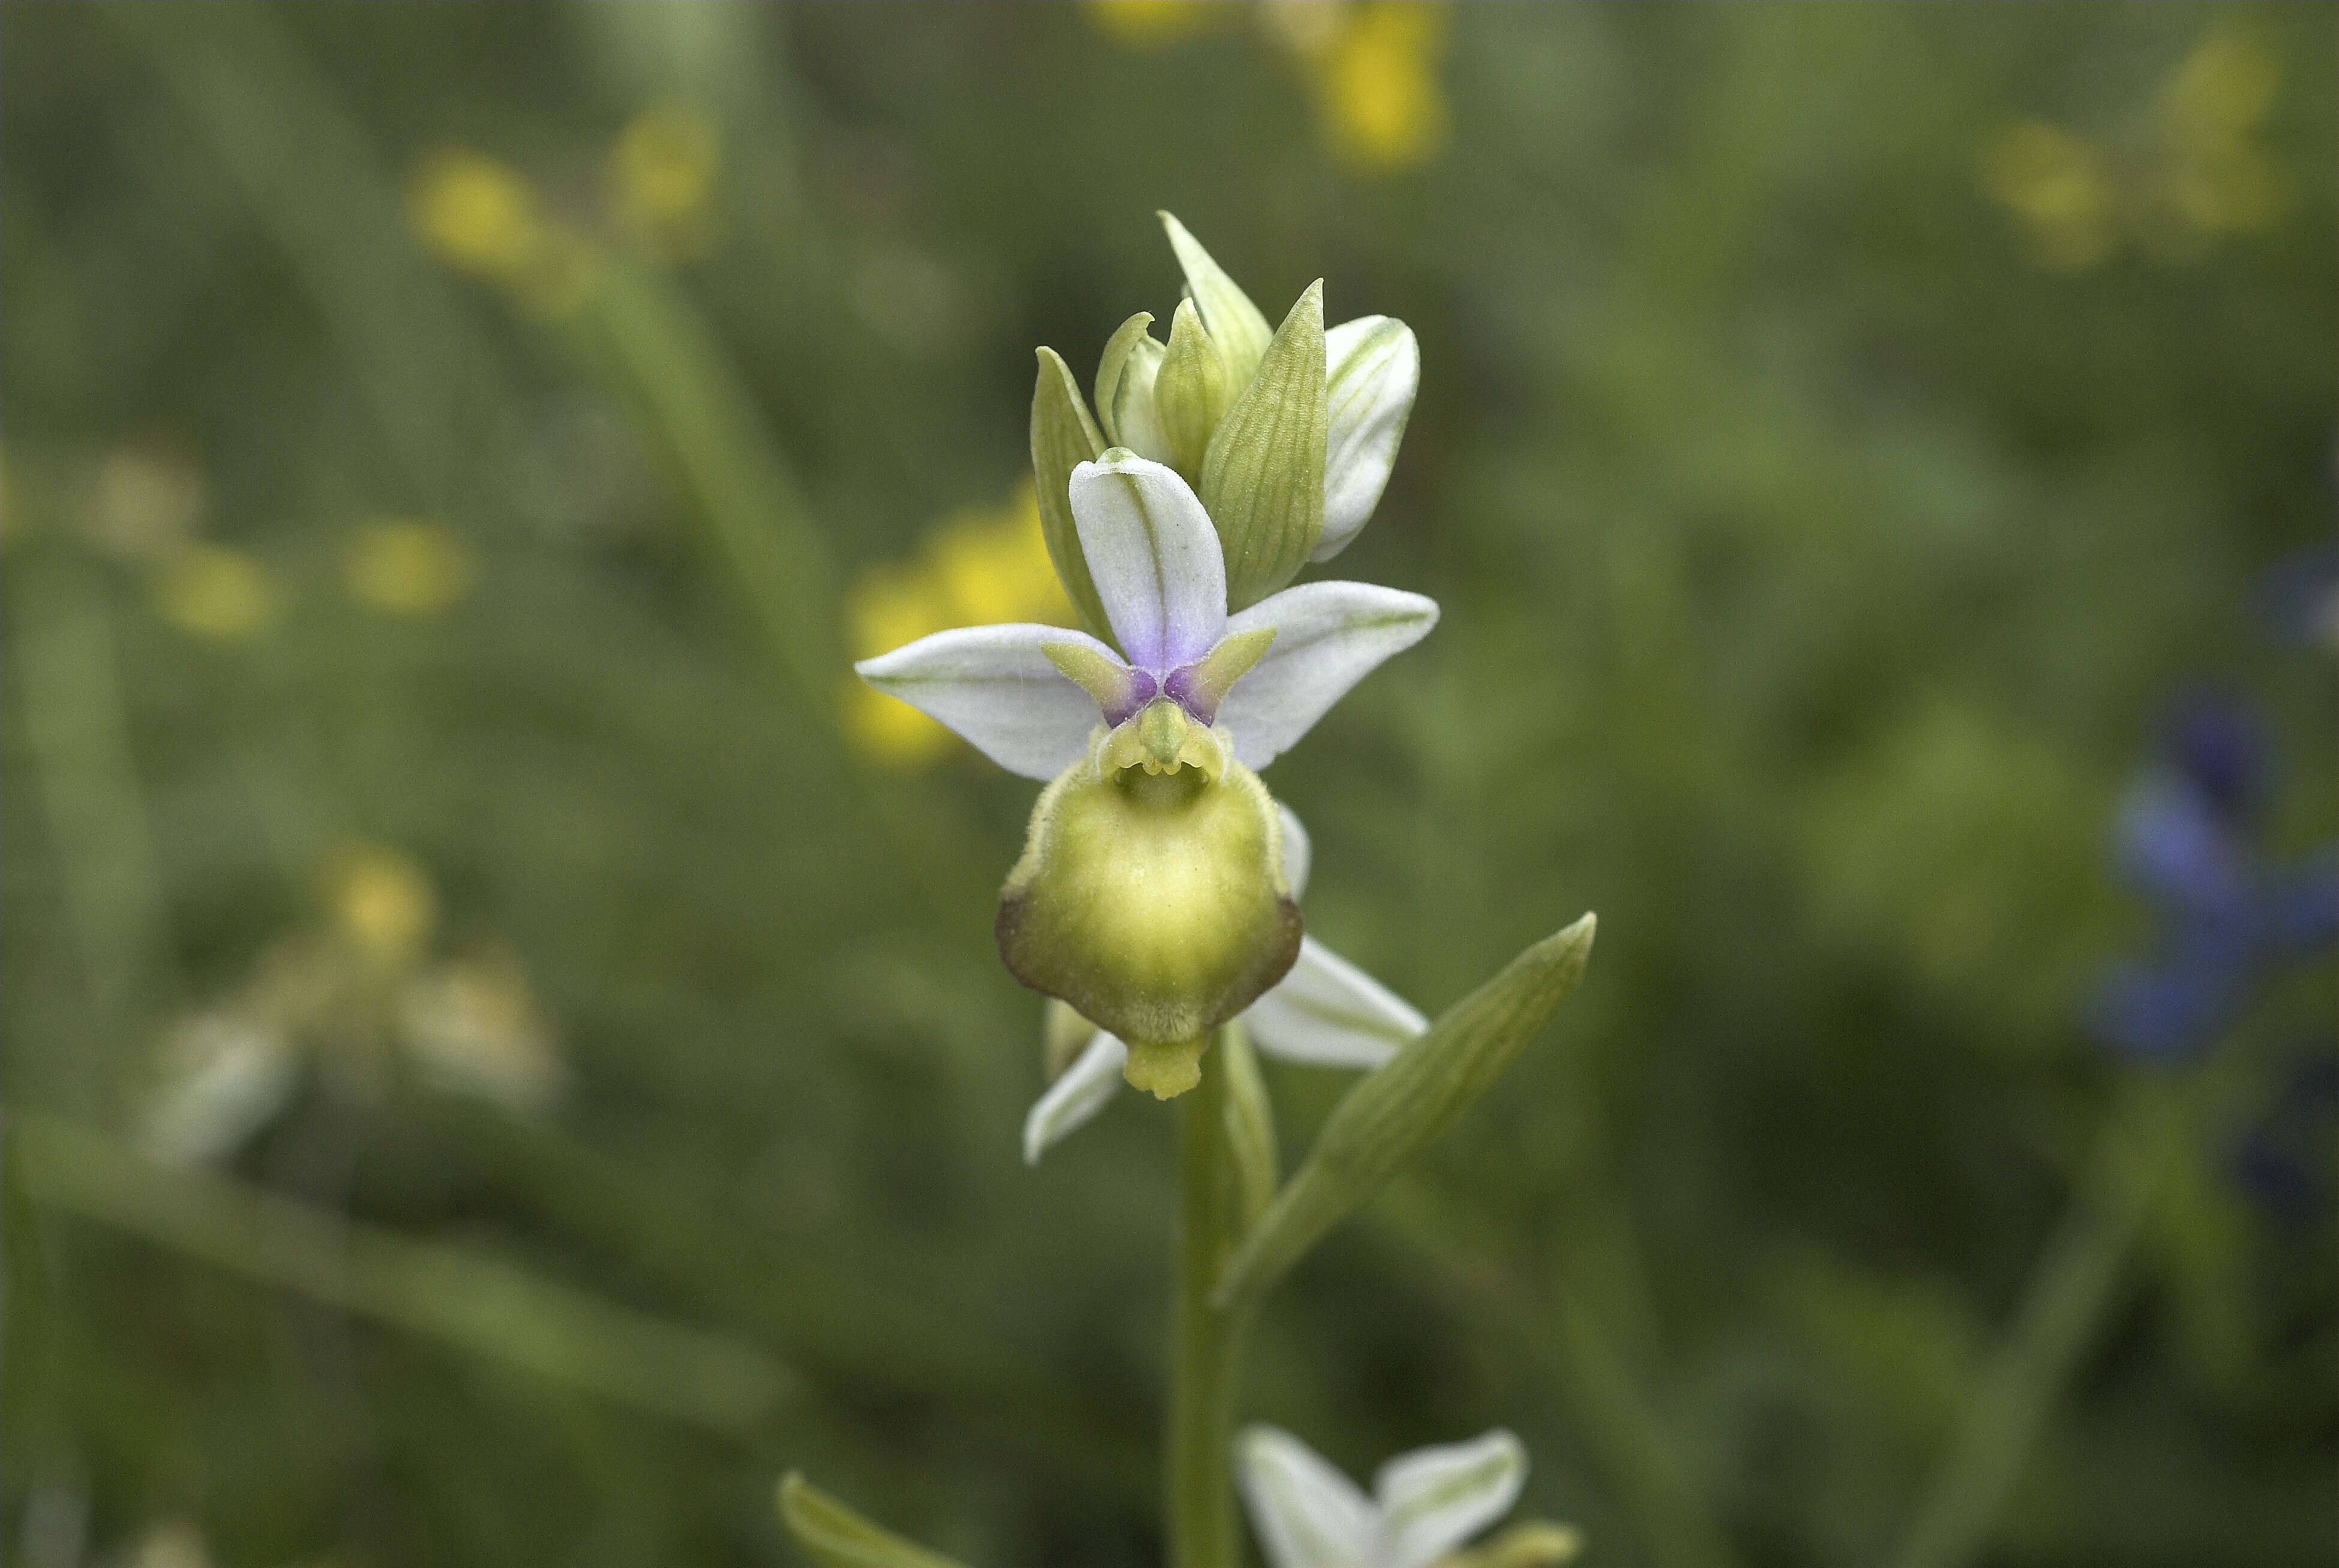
<point>1324,1012</point>
<point>1154,903</point>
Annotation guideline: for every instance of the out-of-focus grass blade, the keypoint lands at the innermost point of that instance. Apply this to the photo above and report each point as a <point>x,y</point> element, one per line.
<point>836,1537</point>
<point>831,1319</point>
<point>448,1294</point>
<point>78,735</point>
<point>1562,1334</point>
<point>325,196</point>
<point>670,366</point>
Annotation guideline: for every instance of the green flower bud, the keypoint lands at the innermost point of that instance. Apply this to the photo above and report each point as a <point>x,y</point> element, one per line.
<point>1151,894</point>
<point>1191,391</point>
<point>1124,390</point>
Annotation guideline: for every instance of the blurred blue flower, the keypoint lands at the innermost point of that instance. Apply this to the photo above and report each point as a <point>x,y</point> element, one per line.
<point>2184,837</point>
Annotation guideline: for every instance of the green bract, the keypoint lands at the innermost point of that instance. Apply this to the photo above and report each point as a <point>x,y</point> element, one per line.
<point>1151,894</point>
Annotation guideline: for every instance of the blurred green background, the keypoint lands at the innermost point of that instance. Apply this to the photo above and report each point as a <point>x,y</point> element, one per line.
<point>503,1049</point>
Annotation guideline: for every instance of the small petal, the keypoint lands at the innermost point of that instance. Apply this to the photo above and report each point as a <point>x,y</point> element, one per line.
<point>1298,852</point>
<point>1434,1499</point>
<point>996,686</point>
<point>1373,370</point>
<point>1305,1512</point>
<point>1117,690</point>
<point>1327,1012</point>
<point>1073,1100</point>
<point>1154,556</point>
<point>1203,687</point>
<point>1329,636</point>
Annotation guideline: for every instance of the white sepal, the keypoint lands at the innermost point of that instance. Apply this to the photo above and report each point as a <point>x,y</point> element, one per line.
<point>1073,1100</point>
<point>1433,1500</point>
<point>1306,1514</point>
<point>1327,638</point>
<point>1327,1012</point>
<point>1299,851</point>
<point>1154,556</point>
<point>1373,369</point>
<point>994,687</point>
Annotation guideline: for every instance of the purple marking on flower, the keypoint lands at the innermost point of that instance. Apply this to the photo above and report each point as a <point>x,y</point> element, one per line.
<point>1181,686</point>
<point>1142,688</point>
<point>1160,578</point>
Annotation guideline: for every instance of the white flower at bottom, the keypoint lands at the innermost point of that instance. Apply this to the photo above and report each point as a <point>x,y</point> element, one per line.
<point>1425,1503</point>
<point>1326,1013</point>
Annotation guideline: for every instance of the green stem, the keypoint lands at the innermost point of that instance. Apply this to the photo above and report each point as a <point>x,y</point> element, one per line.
<point>2072,1287</point>
<point>1207,1343</point>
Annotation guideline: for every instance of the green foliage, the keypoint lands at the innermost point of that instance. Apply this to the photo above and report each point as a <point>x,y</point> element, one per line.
<point>1821,519</point>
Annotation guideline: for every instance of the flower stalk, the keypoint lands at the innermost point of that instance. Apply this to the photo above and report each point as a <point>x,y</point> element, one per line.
<point>1207,1342</point>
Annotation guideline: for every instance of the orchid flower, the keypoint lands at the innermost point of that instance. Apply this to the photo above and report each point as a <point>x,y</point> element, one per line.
<point>1327,1012</point>
<point>1424,1505</point>
<point>1152,894</point>
<point>1028,696</point>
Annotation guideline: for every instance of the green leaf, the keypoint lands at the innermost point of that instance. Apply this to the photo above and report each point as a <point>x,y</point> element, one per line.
<point>834,1536</point>
<point>1064,437</point>
<point>1236,324</point>
<point>1263,477</point>
<point>1400,1108</point>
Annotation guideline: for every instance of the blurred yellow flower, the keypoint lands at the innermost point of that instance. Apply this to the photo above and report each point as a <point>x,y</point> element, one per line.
<point>975,568</point>
<point>1377,85</point>
<point>215,592</point>
<point>381,902</point>
<point>2187,173</point>
<point>478,215</point>
<point>2220,180</point>
<point>662,173</point>
<point>1371,64</point>
<point>2057,186</point>
<point>350,993</point>
<point>408,567</point>
<point>1151,23</point>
